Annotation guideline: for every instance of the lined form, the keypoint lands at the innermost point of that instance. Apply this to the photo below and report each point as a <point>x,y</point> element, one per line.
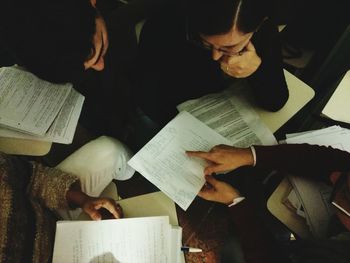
<point>164,163</point>
<point>132,240</point>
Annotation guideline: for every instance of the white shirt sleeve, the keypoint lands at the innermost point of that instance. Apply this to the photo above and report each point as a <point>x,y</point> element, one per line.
<point>236,201</point>
<point>254,154</point>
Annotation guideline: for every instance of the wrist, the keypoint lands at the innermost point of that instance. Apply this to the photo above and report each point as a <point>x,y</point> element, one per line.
<point>76,199</point>
<point>231,196</point>
<point>249,156</point>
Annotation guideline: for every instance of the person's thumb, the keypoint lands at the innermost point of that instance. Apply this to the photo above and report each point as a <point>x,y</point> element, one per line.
<point>214,168</point>
<point>211,180</point>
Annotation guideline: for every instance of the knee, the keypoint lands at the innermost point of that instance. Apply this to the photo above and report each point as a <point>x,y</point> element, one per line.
<point>106,145</point>
<point>113,153</point>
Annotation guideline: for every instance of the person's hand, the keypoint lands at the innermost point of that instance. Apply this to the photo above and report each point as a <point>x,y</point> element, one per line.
<point>93,3</point>
<point>218,191</point>
<point>242,65</point>
<point>92,205</point>
<point>223,158</point>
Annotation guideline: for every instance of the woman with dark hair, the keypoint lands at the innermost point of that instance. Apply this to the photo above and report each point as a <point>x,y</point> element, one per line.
<point>78,41</point>
<point>55,40</point>
<point>192,49</point>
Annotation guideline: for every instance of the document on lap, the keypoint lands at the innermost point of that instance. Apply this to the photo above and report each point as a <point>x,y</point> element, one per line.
<point>164,163</point>
<point>231,115</point>
<point>31,108</point>
<point>141,240</point>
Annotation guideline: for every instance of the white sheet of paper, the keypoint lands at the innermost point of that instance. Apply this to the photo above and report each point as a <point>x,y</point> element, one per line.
<point>230,114</point>
<point>164,163</point>
<point>28,103</point>
<point>333,136</point>
<point>152,204</point>
<point>62,129</point>
<point>176,242</point>
<point>131,240</point>
<point>338,107</point>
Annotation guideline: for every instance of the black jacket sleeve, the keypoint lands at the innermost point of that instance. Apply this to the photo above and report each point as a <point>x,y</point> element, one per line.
<point>313,161</point>
<point>268,82</point>
<point>257,243</point>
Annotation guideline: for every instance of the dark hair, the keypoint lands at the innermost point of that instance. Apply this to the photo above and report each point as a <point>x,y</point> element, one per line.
<point>51,38</point>
<point>214,17</point>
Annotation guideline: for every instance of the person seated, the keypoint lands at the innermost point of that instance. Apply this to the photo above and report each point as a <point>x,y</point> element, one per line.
<point>318,163</point>
<point>88,44</point>
<point>194,46</point>
<point>33,196</point>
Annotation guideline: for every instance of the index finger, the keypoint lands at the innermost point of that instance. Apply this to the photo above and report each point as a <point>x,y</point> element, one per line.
<point>200,154</point>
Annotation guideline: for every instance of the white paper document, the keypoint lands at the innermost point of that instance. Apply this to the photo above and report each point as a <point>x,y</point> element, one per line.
<point>29,104</point>
<point>338,106</point>
<point>334,136</point>
<point>151,205</point>
<point>314,198</point>
<point>62,129</point>
<point>164,163</point>
<point>230,114</point>
<point>129,240</point>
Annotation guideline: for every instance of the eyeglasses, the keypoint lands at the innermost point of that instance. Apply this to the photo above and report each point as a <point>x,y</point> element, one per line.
<point>196,40</point>
<point>342,191</point>
<point>224,51</point>
<point>199,42</point>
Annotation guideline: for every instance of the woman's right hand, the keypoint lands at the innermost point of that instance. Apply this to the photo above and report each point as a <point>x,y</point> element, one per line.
<point>224,158</point>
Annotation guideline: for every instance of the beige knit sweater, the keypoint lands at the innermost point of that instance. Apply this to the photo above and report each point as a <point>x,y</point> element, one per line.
<point>29,195</point>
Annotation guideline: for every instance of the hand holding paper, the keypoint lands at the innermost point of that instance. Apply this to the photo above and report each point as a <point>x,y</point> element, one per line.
<point>224,158</point>
<point>163,160</point>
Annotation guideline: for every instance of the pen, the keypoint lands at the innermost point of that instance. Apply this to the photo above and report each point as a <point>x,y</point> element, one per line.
<point>191,249</point>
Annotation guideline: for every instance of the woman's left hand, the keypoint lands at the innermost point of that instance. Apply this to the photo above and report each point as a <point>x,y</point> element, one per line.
<point>242,65</point>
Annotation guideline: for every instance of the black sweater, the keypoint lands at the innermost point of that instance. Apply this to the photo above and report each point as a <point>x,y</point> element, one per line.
<point>170,70</point>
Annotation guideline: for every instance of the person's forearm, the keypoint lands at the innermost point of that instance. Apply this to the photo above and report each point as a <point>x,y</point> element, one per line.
<point>75,197</point>
<point>303,159</point>
<point>268,82</point>
<point>269,86</point>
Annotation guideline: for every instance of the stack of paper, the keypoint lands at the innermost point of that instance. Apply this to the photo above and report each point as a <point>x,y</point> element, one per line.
<point>338,106</point>
<point>334,136</point>
<point>310,198</point>
<point>31,108</point>
<point>231,115</point>
<point>132,240</point>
